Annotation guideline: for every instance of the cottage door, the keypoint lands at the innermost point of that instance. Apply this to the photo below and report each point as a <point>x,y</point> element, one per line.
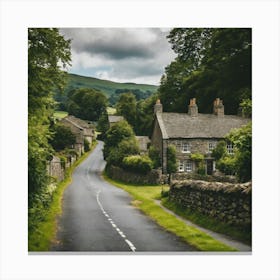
<point>209,166</point>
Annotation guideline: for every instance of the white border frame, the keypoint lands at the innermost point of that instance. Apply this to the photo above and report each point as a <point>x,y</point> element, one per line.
<point>262,16</point>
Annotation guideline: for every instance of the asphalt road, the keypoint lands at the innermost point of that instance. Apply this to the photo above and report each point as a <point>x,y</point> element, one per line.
<point>98,217</point>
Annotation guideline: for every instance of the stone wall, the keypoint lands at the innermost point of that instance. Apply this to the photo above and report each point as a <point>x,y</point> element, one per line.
<point>226,202</point>
<point>55,169</point>
<point>216,177</point>
<point>154,177</point>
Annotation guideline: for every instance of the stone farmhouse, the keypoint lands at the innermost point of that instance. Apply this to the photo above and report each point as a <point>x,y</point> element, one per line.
<point>83,131</point>
<point>192,132</point>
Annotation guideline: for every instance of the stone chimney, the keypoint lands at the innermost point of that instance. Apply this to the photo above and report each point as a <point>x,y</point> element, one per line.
<point>158,107</point>
<point>218,108</point>
<point>192,108</point>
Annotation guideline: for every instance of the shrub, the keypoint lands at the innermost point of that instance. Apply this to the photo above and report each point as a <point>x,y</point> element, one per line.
<point>86,145</point>
<point>154,156</point>
<point>171,159</point>
<point>201,168</point>
<point>125,148</point>
<point>137,163</point>
<point>227,165</point>
<point>220,150</point>
<point>197,157</point>
<point>63,137</point>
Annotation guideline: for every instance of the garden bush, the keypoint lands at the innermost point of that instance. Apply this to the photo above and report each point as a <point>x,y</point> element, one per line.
<point>137,163</point>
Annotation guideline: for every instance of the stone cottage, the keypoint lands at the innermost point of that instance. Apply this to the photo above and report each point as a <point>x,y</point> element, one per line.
<point>192,132</point>
<point>83,130</point>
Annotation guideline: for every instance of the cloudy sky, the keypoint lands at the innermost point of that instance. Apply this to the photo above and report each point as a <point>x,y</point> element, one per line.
<point>120,54</point>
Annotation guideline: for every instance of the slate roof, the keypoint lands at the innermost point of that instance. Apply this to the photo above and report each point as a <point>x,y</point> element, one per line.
<point>81,124</point>
<point>114,119</point>
<point>143,142</point>
<point>182,125</point>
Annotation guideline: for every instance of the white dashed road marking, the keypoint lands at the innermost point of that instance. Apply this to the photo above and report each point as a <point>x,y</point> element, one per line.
<point>130,244</point>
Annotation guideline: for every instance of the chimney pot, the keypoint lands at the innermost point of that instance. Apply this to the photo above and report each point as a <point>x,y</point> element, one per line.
<point>158,107</point>
<point>218,108</point>
<point>192,108</point>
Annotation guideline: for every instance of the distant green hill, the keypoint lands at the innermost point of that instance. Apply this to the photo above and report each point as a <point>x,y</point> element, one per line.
<point>109,88</point>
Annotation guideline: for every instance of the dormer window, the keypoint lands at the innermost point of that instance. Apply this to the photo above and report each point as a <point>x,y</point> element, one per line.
<point>230,148</point>
<point>186,148</point>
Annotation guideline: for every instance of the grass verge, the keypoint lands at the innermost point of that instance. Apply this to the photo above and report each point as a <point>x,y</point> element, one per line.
<point>44,232</point>
<point>144,197</point>
<point>243,235</point>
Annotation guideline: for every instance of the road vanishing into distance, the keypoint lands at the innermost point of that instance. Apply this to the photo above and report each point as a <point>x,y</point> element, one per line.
<point>98,217</point>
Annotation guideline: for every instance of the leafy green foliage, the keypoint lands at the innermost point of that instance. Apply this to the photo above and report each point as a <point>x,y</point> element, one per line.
<point>154,155</point>
<point>86,145</point>
<point>138,93</point>
<point>145,116</point>
<point>199,161</point>
<point>120,142</point>
<point>103,125</point>
<point>109,88</point>
<point>47,50</point>
<point>119,131</point>
<point>126,107</point>
<point>246,107</point>
<point>210,63</point>
<point>227,164</point>
<point>241,162</point>
<point>171,159</point>
<point>63,137</point>
<point>219,150</point>
<point>201,168</point>
<point>137,163</point>
<point>197,157</point>
<point>123,149</point>
<point>87,104</point>
<point>242,140</point>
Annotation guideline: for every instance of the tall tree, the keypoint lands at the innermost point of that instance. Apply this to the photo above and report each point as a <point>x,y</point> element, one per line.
<point>48,52</point>
<point>210,63</point>
<point>86,103</point>
<point>126,107</point>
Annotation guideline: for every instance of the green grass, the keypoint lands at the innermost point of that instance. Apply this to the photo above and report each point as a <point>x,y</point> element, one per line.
<point>60,114</point>
<point>144,197</point>
<point>243,235</point>
<point>108,87</point>
<point>41,238</point>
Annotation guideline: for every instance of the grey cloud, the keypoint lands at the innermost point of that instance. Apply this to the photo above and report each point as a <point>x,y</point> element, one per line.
<point>116,43</point>
<point>129,52</point>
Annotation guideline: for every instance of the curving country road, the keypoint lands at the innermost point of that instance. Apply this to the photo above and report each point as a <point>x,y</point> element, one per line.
<point>98,217</point>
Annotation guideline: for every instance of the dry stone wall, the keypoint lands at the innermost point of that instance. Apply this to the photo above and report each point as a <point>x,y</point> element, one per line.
<point>226,202</point>
<point>154,177</point>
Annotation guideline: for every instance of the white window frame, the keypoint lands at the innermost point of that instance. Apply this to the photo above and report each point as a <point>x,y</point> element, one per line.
<point>230,148</point>
<point>188,166</point>
<point>211,146</point>
<point>181,166</point>
<point>186,148</point>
